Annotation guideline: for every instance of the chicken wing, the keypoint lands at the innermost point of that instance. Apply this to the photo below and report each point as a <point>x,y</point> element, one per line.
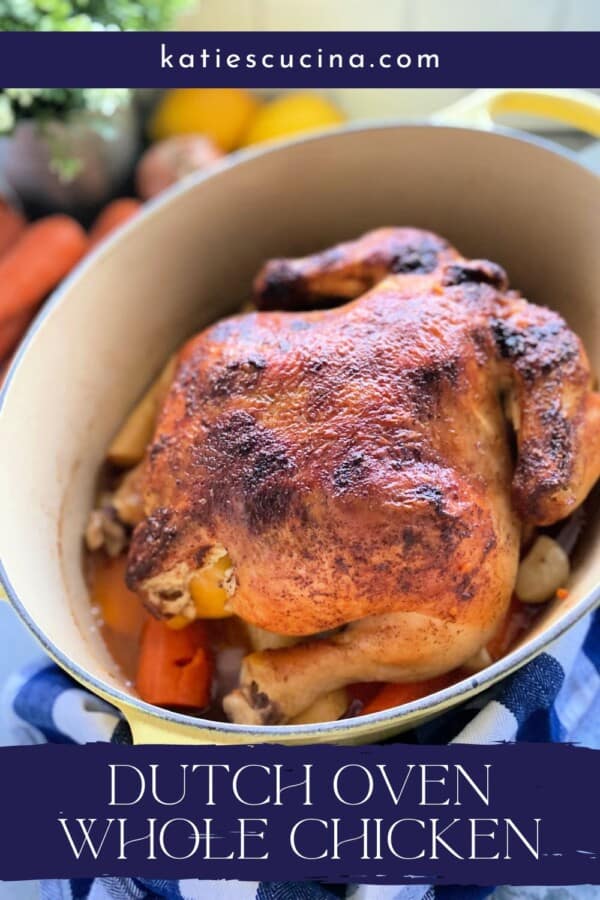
<point>348,270</point>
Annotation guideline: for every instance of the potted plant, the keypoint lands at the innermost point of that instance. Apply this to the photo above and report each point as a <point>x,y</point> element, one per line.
<point>64,148</point>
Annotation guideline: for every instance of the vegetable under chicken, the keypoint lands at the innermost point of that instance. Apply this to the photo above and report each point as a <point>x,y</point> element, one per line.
<point>351,468</point>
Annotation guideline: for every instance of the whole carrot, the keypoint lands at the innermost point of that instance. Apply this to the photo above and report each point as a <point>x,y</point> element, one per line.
<point>41,257</point>
<point>112,217</point>
<point>12,225</point>
<point>13,330</point>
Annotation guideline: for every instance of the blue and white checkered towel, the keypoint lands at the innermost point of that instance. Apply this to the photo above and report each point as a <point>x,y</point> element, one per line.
<point>554,698</point>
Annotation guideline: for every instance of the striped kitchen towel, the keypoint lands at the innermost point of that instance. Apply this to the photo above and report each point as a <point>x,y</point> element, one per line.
<point>556,697</point>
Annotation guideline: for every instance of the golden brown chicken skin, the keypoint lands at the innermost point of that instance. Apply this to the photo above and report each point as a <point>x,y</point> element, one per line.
<point>355,464</point>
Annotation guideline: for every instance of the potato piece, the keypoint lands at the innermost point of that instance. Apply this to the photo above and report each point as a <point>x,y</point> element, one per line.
<point>327,708</point>
<point>128,499</point>
<point>129,445</point>
<point>542,572</point>
<point>105,531</point>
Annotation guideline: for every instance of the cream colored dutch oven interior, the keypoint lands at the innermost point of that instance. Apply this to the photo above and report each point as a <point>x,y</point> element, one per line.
<point>190,259</point>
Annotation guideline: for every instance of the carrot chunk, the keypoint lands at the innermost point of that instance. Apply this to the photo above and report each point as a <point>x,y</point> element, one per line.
<point>121,609</point>
<point>175,665</point>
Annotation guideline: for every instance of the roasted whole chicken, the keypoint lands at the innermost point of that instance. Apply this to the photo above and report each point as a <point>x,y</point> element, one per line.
<point>364,451</point>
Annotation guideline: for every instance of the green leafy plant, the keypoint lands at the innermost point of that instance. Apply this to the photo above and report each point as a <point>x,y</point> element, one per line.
<point>87,15</point>
<point>48,105</point>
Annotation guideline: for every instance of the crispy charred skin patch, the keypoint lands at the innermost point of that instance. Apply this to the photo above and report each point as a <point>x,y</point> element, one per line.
<point>536,348</point>
<point>475,271</point>
<point>237,376</point>
<point>551,379</point>
<point>153,537</point>
<point>256,463</point>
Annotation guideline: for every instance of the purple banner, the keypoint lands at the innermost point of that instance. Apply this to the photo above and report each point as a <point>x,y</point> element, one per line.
<point>300,59</point>
<point>508,814</point>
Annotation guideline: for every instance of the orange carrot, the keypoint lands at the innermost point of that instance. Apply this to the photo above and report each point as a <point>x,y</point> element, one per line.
<point>121,609</point>
<point>12,225</point>
<point>175,666</point>
<point>113,216</point>
<point>397,694</point>
<point>45,252</point>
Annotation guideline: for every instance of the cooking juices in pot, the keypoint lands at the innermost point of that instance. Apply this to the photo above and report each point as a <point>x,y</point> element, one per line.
<point>380,468</point>
<point>122,619</point>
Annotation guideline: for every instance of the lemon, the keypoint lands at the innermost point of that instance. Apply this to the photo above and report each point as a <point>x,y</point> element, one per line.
<point>208,591</point>
<point>291,114</point>
<point>224,114</point>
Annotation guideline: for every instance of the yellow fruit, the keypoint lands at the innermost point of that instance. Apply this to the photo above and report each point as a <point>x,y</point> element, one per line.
<point>224,114</point>
<point>291,114</point>
<point>208,592</point>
